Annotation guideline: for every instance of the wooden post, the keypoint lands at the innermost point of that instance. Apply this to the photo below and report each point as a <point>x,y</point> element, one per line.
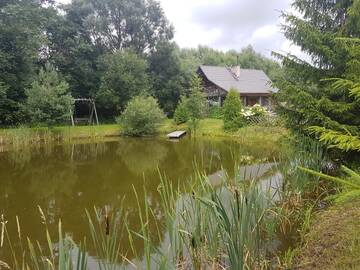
<point>96,116</point>
<point>72,118</point>
<point>91,114</point>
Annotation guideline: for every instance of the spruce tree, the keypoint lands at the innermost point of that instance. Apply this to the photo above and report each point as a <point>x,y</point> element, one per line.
<point>317,97</point>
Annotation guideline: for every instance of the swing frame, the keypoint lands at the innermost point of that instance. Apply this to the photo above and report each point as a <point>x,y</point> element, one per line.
<point>91,119</point>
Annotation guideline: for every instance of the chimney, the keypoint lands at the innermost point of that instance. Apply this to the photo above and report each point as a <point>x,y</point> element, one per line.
<point>236,71</point>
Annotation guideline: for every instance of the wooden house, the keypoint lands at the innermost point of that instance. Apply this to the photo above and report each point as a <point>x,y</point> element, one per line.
<point>253,86</point>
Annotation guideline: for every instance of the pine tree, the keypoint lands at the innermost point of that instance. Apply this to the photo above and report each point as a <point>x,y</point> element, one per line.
<point>318,97</point>
<point>48,100</point>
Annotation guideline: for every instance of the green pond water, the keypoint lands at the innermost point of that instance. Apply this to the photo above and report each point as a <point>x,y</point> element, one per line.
<point>66,179</point>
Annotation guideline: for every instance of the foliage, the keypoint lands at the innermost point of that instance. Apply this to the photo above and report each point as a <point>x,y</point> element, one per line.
<point>335,139</point>
<point>216,112</point>
<point>124,77</point>
<point>48,101</point>
<point>322,93</point>
<point>181,114</point>
<point>72,50</point>
<point>195,103</point>
<point>233,119</point>
<point>21,38</point>
<point>350,184</point>
<point>122,24</point>
<point>166,73</point>
<point>141,116</point>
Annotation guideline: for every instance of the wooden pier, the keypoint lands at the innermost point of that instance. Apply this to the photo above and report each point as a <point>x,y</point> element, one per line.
<point>176,134</point>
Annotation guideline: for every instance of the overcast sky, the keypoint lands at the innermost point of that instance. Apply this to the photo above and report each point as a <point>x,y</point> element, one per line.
<point>228,24</point>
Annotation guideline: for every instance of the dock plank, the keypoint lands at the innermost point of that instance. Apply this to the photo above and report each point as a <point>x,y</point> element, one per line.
<point>176,134</point>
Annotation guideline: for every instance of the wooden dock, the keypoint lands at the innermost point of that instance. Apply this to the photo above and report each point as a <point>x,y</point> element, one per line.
<point>176,134</point>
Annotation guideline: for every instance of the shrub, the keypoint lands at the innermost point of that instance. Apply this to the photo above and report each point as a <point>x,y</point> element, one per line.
<point>141,116</point>
<point>233,119</point>
<point>258,110</point>
<point>48,100</point>
<point>216,112</point>
<point>181,114</point>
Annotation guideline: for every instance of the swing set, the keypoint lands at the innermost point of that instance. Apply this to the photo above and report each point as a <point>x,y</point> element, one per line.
<point>84,112</point>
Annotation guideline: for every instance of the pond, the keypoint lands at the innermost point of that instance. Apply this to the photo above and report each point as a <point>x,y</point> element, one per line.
<point>66,179</point>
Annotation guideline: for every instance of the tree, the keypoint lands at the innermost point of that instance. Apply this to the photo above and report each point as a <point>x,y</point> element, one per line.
<point>232,117</point>
<point>141,116</point>
<point>166,73</point>
<point>22,25</point>
<point>308,95</point>
<point>72,50</point>
<point>48,100</point>
<point>181,114</point>
<point>121,24</point>
<point>195,103</point>
<point>124,76</point>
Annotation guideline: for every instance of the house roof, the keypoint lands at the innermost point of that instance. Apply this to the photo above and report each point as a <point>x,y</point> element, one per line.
<point>250,81</point>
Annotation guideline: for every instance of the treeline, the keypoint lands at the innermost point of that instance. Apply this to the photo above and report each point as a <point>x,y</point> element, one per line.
<point>109,50</point>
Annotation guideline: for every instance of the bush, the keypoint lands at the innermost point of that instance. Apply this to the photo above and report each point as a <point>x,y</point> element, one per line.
<point>141,116</point>
<point>181,114</point>
<point>216,112</point>
<point>233,119</point>
<point>257,115</point>
<point>258,111</point>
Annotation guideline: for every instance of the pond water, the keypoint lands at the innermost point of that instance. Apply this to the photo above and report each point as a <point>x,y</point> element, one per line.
<point>66,179</point>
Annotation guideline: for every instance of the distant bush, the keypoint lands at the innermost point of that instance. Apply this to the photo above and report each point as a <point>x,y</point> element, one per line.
<point>141,116</point>
<point>216,112</point>
<point>181,114</point>
<point>233,119</point>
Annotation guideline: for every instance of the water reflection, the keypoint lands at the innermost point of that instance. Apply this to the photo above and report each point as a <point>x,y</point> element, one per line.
<point>69,178</point>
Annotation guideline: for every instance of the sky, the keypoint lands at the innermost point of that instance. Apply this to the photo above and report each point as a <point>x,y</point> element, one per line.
<point>229,24</point>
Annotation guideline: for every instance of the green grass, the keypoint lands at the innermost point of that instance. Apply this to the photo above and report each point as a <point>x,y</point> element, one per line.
<point>207,127</point>
<point>24,135</point>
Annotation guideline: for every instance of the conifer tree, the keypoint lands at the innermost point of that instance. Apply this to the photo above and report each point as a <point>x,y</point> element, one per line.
<point>319,96</point>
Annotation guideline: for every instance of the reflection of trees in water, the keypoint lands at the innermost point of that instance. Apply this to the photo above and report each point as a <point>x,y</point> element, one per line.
<point>142,155</point>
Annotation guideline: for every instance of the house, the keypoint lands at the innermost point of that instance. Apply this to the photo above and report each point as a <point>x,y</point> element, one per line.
<point>254,86</point>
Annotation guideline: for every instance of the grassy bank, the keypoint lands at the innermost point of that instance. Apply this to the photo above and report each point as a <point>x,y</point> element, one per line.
<point>207,127</point>
<point>24,135</point>
<point>333,240</point>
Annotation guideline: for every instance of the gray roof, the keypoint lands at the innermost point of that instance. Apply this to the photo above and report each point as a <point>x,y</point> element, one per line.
<point>250,81</point>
